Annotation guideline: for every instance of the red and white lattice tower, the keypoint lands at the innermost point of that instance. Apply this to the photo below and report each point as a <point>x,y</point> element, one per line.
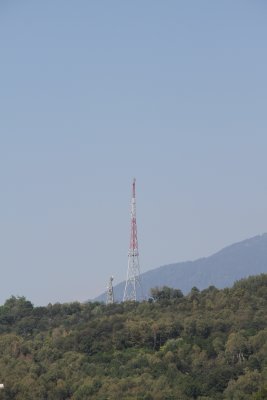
<point>133,288</point>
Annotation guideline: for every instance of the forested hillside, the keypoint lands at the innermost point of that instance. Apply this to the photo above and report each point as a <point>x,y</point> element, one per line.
<point>205,345</point>
<point>221,269</point>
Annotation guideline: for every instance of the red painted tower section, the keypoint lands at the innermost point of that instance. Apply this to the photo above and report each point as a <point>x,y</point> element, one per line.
<point>133,241</point>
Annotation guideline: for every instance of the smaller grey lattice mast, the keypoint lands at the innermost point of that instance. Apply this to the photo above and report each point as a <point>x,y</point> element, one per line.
<point>110,292</point>
<point>133,287</point>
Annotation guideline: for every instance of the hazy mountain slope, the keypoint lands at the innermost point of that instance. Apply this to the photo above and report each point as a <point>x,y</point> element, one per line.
<point>221,269</point>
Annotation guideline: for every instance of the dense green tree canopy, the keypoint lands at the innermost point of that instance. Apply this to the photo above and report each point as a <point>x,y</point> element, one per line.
<point>206,345</point>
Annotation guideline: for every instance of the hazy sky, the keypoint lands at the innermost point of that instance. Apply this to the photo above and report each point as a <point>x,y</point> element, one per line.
<point>93,93</point>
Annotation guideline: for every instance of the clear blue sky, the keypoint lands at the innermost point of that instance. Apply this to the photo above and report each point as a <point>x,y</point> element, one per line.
<point>93,93</point>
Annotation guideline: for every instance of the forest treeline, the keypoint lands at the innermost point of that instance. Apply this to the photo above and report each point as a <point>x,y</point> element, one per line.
<point>209,344</point>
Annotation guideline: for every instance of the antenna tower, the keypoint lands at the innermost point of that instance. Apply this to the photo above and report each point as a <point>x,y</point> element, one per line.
<point>110,293</point>
<point>133,287</point>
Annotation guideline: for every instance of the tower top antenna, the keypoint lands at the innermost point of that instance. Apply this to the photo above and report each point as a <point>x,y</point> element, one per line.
<point>134,180</point>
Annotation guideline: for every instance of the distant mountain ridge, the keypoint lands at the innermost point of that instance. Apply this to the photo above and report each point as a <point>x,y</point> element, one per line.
<point>222,269</point>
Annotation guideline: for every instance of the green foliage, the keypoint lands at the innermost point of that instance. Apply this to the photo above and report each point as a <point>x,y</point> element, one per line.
<point>165,293</point>
<point>206,345</point>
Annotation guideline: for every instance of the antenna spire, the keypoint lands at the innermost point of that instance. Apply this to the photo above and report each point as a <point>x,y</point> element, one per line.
<point>133,288</point>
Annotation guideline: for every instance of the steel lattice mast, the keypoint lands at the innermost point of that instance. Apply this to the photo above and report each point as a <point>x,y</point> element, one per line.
<point>133,288</point>
<point>110,293</point>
